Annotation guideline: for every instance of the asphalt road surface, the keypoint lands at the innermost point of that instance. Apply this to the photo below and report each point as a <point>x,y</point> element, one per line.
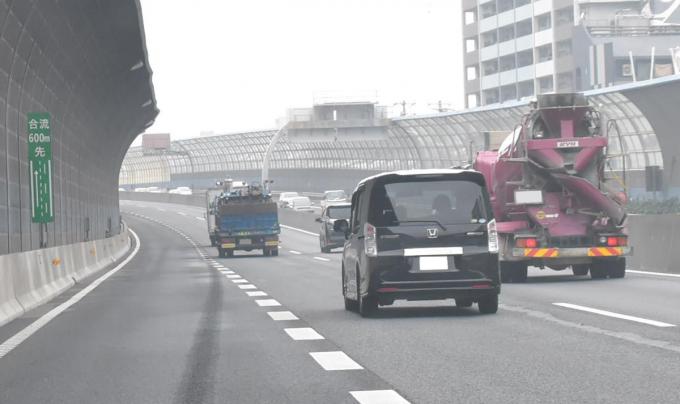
<point>179,325</point>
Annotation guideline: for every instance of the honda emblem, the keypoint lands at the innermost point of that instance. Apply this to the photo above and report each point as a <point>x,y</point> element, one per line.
<point>432,233</point>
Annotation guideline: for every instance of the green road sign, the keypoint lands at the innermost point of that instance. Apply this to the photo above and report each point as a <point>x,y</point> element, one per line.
<point>40,166</point>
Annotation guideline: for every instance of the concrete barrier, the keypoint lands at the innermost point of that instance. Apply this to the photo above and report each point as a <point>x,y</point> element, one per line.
<point>32,278</point>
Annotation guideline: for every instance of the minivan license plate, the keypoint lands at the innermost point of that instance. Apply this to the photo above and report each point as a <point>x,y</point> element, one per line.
<point>434,263</point>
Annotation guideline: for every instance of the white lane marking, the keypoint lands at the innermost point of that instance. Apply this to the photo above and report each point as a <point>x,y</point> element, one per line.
<point>653,273</point>
<point>615,315</point>
<point>300,230</point>
<point>233,276</point>
<point>247,287</point>
<point>200,218</point>
<point>378,397</point>
<point>228,272</point>
<point>303,334</point>
<point>31,329</point>
<point>282,315</point>
<point>256,293</point>
<point>335,360</point>
<point>239,281</point>
<point>181,213</point>
<point>322,259</point>
<point>295,252</point>
<point>267,303</point>
<point>161,209</point>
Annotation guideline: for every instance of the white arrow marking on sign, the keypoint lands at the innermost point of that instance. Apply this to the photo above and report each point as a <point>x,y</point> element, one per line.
<point>49,185</point>
<point>32,189</point>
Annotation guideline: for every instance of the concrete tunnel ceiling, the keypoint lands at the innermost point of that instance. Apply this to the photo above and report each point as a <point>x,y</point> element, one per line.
<point>84,62</point>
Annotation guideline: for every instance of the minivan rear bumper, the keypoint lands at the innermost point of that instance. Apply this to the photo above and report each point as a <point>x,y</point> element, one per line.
<point>387,292</point>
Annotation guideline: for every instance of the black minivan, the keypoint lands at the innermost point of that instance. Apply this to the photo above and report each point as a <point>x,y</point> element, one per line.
<point>420,235</point>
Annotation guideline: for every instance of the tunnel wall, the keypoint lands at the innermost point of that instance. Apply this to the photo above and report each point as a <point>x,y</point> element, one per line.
<point>85,63</point>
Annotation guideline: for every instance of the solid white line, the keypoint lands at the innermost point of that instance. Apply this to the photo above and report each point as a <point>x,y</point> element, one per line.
<point>303,334</point>
<point>322,259</point>
<point>31,329</point>
<point>247,287</point>
<point>256,293</point>
<point>335,360</point>
<point>239,281</point>
<point>299,230</point>
<point>653,273</point>
<point>615,315</point>
<point>200,218</point>
<point>267,302</point>
<point>378,397</point>
<point>295,252</point>
<point>282,315</point>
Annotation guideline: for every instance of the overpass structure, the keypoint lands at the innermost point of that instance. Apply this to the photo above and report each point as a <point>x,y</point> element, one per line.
<point>645,135</point>
<point>85,63</point>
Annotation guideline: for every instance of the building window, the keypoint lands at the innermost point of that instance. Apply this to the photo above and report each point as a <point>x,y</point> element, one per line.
<point>491,96</point>
<point>489,38</point>
<point>471,72</point>
<point>520,3</point>
<point>488,9</point>
<point>506,33</point>
<point>490,67</point>
<point>543,22</point>
<point>470,45</point>
<point>508,93</point>
<point>523,28</point>
<point>563,48</point>
<point>525,58</point>
<point>545,84</point>
<point>470,17</point>
<point>564,16</point>
<point>526,88</point>
<point>505,5</point>
<point>544,53</point>
<point>472,100</point>
<point>507,63</point>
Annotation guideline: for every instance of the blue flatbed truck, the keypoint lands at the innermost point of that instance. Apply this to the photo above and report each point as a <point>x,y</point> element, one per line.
<point>247,220</point>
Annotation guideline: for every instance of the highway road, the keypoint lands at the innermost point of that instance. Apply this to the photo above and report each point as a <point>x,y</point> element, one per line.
<point>179,325</point>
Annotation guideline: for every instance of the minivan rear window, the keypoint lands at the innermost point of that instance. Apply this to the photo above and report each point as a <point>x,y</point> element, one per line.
<point>339,212</point>
<point>443,201</point>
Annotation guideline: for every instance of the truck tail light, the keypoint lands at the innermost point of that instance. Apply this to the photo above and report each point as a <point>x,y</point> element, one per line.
<point>492,236</point>
<point>370,241</point>
<point>617,241</point>
<point>526,242</point>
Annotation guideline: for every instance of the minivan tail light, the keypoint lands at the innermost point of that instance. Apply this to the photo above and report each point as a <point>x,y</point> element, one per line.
<point>370,243</point>
<point>492,235</point>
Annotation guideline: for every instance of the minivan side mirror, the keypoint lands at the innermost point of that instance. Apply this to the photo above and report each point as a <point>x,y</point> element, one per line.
<point>318,220</point>
<point>341,226</point>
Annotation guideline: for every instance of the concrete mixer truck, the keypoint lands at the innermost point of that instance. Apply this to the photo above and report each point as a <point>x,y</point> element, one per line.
<point>554,206</point>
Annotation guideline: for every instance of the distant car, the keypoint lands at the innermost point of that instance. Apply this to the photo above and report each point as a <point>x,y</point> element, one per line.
<point>330,238</point>
<point>285,198</point>
<point>181,191</point>
<point>140,189</point>
<point>300,204</point>
<point>155,190</point>
<point>420,235</point>
<point>121,189</point>
<point>333,198</point>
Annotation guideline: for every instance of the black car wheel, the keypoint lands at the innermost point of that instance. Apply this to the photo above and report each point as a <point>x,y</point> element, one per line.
<point>323,247</point>
<point>488,305</point>
<point>367,304</point>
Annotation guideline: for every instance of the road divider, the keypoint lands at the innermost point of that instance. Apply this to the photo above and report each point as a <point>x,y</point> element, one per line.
<point>32,278</point>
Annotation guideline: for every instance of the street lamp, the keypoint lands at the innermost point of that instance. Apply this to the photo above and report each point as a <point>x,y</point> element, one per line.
<point>267,156</point>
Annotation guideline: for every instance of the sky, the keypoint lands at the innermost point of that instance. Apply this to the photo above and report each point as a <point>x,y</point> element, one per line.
<point>226,66</point>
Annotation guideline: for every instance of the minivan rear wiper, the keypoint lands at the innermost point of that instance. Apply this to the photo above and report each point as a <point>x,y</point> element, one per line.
<point>421,221</point>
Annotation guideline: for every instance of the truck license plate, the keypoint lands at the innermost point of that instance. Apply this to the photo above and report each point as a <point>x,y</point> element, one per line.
<point>567,143</point>
<point>245,242</point>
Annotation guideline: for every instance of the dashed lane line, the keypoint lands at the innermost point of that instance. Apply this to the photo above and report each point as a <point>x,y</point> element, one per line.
<point>322,259</point>
<point>282,315</point>
<point>182,213</point>
<point>335,360</point>
<point>303,334</point>
<point>239,281</point>
<point>257,293</point>
<point>299,230</point>
<point>247,287</point>
<point>295,252</point>
<point>614,315</point>
<point>14,341</point>
<point>200,218</point>
<point>267,302</point>
<point>234,276</point>
<point>653,273</point>
<point>378,397</point>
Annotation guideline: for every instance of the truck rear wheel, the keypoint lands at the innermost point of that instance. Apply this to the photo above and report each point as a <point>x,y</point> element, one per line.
<point>275,252</point>
<point>598,270</point>
<point>220,252</point>
<point>520,273</point>
<point>616,268</point>
<point>266,252</point>
<point>513,272</point>
<point>580,269</point>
